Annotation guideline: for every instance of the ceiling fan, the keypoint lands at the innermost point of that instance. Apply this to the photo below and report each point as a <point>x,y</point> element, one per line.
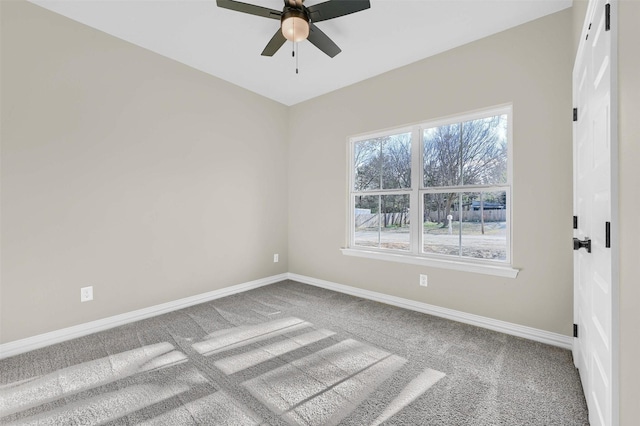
<point>297,21</point>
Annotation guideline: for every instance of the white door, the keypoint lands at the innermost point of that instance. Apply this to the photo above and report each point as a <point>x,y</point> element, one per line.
<point>593,313</point>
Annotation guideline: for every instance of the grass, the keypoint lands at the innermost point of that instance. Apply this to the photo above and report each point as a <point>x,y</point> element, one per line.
<point>468,228</point>
<point>434,228</point>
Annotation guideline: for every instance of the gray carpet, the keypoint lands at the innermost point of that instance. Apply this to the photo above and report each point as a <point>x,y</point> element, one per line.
<point>293,354</point>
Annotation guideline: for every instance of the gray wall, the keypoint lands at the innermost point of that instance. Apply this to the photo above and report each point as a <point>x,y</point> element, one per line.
<point>579,10</point>
<point>629,180</point>
<point>130,172</point>
<point>530,66</point>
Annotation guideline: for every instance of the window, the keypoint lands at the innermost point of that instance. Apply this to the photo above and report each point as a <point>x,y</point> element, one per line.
<point>382,184</point>
<point>437,193</point>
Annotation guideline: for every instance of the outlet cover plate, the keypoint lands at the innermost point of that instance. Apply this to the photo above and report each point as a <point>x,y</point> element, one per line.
<point>423,280</point>
<point>86,294</point>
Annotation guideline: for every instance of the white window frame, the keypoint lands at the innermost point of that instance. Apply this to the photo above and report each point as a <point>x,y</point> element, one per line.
<point>416,193</point>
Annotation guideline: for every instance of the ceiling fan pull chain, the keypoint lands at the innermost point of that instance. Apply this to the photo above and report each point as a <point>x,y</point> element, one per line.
<point>293,41</point>
<point>297,56</point>
<point>294,47</point>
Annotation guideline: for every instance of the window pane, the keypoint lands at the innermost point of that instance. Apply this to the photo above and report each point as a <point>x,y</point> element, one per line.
<point>441,224</point>
<point>382,221</point>
<point>484,225</point>
<point>367,164</point>
<point>394,229</point>
<point>383,163</point>
<point>396,161</point>
<point>484,151</point>
<point>367,220</point>
<point>469,153</point>
<point>441,159</point>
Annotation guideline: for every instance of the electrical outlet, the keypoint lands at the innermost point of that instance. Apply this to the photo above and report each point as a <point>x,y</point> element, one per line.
<point>86,294</point>
<point>275,258</point>
<point>423,280</point>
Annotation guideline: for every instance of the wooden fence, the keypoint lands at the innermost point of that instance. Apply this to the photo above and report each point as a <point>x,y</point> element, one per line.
<point>372,220</point>
<point>497,215</point>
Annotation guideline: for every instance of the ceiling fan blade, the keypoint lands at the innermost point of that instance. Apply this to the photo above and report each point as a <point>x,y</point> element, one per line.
<point>249,8</point>
<point>322,41</point>
<point>336,8</point>
<point>274,44</point>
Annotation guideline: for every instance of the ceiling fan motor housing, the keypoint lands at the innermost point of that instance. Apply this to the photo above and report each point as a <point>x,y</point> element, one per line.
<point>294,12</point>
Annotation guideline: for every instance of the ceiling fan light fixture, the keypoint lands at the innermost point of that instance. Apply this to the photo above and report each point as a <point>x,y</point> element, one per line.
<point>295,25</point>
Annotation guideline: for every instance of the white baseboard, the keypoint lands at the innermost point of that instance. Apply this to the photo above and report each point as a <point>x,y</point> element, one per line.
<point>530,333</point>
<point>24,345</point>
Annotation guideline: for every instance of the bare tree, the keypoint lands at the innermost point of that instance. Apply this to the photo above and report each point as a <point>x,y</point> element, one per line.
<point>367,165</point>
<point>468,153</point>
<point>384,163</point>
<point>396,162</point>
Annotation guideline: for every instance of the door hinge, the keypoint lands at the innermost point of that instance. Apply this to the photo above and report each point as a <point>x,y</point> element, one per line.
<point>575,222</point>
<point>575,114</point>
<point>607,234</point>
<point>588,29</point>
<point>575,330</point>
<point>607,17</point>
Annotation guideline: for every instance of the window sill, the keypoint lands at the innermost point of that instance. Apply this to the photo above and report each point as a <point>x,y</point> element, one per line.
<point>480,268</point>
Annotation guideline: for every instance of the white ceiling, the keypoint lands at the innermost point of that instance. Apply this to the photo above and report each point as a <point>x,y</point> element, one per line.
<point>227,44</point>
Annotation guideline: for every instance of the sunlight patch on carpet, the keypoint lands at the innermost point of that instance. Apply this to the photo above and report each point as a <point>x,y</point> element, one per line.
<point>224,340</point>
<point>215,409</point>
<point>88,375</point>
<point>416,388</point>
<point>242,361</point>
<point>324,387</point>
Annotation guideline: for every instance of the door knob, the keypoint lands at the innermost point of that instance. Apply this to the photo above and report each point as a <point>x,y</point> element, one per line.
<point>586,243</point>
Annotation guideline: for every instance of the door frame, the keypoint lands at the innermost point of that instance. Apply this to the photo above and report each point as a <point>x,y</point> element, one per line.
<point>615,221</point>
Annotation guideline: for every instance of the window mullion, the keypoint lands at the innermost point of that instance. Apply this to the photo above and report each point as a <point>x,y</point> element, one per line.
<point>460,224</point>
<point>415,208</point>
<point>379,220</point>
<point>380,164</point>
<point>460,159</point>
<point>352,203</point>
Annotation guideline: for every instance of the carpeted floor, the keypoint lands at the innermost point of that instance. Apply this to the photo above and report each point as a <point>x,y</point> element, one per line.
<point>289,353</point>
